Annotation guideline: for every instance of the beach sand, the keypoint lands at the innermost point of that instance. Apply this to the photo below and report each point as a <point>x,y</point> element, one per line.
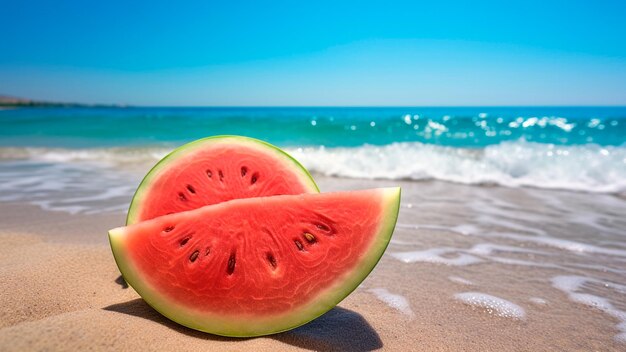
<point>61,289</point>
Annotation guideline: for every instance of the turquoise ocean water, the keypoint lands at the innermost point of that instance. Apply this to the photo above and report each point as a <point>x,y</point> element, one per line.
<point>51,156</point>
<point>330,127</point>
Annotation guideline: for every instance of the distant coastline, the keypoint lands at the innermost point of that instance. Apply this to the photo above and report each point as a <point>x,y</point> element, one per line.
<point>9,102</point>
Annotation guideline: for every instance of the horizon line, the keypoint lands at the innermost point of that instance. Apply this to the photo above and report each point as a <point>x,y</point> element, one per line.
<point>19,102</point>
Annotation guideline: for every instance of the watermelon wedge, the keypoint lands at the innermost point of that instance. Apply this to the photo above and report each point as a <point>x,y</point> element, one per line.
<point>257,266</point>
<point>214,170</point>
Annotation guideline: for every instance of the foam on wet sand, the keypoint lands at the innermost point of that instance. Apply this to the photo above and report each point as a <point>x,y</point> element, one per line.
<point>393,300</point>
<point>492,304</point>
<point>574,286</point>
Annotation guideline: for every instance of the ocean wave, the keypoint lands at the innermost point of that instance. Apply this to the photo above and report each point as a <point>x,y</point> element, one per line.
<point>117,156</point>
<point>589,167</point>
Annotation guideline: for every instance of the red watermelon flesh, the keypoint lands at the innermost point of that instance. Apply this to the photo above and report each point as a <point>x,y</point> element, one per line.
<point>214,170</point>
<point>257,266</point>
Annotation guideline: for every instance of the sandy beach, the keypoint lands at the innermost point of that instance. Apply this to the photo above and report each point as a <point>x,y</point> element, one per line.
<point>61,289</point>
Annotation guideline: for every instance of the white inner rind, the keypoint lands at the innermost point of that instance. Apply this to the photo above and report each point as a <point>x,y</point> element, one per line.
<point>246,326</point>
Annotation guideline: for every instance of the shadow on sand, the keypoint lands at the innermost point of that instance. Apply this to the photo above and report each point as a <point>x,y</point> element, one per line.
<point>338,330</point>
<point>120,281</point>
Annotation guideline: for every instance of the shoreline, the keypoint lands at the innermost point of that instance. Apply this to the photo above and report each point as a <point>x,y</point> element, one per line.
<point>71,296</point>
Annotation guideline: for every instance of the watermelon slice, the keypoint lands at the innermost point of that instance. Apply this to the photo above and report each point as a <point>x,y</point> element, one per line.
<point>214,170</point>
<point>257,266</point>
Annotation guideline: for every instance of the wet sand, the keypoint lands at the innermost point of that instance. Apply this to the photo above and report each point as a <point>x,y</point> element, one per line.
<point>61,289</point>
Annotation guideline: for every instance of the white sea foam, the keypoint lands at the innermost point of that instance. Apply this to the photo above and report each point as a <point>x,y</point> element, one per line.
<point>479,253</point>
<point>73,187</point>
<point>466,229</point>
<point>447,256</point>
<point>117,155</point>
<point>425,227</point>
<point>492,304</point>
<point>486,249</point>
<point>519,262</point>
<point>572,285</point>
<point>513,164</point>
<point>460,280</point>
<point>538,301</point>
<point>568,245</point>
<point>401,243</point>
<point>395,301</point>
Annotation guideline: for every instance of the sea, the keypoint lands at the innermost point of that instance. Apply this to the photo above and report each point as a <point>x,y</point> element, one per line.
<point>515,212</point>
<point>90,153</point>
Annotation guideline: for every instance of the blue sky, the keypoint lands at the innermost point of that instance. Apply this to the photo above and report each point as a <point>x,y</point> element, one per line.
<point>315,53</point>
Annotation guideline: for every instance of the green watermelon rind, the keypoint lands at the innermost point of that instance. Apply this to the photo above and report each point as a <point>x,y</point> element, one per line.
<point>217,325</point>
<point>304,175</point>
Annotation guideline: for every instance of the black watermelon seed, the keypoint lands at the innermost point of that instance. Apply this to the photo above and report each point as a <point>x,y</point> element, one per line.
<point>231,264</point>
<point>194,256</point>
<point>184,241</point>
<point>254,178</point>
<point>272,260</point>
